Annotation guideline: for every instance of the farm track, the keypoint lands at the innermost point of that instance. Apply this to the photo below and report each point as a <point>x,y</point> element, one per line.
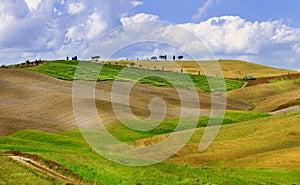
<point>43,169</point>
<point>286,110</point>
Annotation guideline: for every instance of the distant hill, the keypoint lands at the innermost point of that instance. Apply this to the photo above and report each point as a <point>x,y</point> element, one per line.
<point>238,69</point>
<point>230,68</point>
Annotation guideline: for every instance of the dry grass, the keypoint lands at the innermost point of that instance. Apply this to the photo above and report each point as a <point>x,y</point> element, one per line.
<point>230,68</point>
<point>265,142</point>
<point>236,68</point>
<point>270,96</point>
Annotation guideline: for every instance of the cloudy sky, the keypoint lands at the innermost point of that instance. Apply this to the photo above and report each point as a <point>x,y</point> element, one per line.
<point>261,31</point>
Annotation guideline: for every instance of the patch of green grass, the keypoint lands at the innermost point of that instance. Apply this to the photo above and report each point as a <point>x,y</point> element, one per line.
<point>93,167</point>
<point>90,71</point>
<point>126,134</point>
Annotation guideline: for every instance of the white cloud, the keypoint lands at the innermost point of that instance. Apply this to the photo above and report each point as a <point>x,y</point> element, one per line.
<point>45,28</point>
<point>234,35</point>
<point>96,25</point>
<point>75,8</point>
<point>33,4</point>
<point>57,28</point>
<point>266,42</point>
<point>136,3</point>
<point>202,10</point>
<point>142,17</point>
<point>296,48</point>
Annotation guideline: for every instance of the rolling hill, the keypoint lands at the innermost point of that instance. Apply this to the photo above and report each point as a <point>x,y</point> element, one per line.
<point>34,101</point>
<point>269,97</point>
<point>252,147</point>
<point>230,68</point>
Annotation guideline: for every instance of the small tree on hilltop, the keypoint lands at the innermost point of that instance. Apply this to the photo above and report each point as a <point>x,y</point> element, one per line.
<point>180,57</point>
<point>95,58</point>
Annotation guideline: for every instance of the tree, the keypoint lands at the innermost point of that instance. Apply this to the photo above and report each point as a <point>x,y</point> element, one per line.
<point>163,57</point>
<point>27,62</point>
<point>174,57</point>
<point>95,57</point>
<point>180,57</point>
<point>153,58</point>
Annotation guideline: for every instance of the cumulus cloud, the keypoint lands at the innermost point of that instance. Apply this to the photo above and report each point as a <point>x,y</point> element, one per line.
<point>267,42</point>
<point>54,28</point>
<point>234,35</point>
<point>57,28</point>
<point>202,10</point>
<point>136,3</point>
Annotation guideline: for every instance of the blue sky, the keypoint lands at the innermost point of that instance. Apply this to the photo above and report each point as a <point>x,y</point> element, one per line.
<point>182,11</point>
<point>260,31</point>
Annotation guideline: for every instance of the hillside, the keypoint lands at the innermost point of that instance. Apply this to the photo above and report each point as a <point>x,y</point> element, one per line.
<point>154,76</point>
<point>244,153</point>
<point>269,97</point>
<point>238,69</point>
<point>230,68</point>
<point>33,101</point>
<point>252,143</point>
<point>252,147</point>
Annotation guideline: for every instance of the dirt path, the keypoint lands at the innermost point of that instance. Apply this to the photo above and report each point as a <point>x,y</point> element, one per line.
<point>41,168</point>
<point>286,110</point>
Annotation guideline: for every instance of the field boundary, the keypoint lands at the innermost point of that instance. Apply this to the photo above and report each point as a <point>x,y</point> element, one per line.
<point>268,79</point>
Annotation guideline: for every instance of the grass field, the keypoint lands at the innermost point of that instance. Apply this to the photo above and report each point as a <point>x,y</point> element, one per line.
<point>251,148</point>
<point>66,69</point>
<point>230,68</point>
<point>125,134</point>
<point>228,161</point>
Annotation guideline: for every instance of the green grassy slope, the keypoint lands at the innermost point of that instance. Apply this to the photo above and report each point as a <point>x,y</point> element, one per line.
<point>125,134</point>
<point>91,166</point>
<point>227,161</point>
<point>66,70</point>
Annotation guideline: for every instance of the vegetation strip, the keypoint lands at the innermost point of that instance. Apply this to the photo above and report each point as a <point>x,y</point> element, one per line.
<point>66,70</point>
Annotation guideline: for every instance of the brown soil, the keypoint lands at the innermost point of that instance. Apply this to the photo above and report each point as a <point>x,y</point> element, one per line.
<point>32,101</point>
<point>268,79</point>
